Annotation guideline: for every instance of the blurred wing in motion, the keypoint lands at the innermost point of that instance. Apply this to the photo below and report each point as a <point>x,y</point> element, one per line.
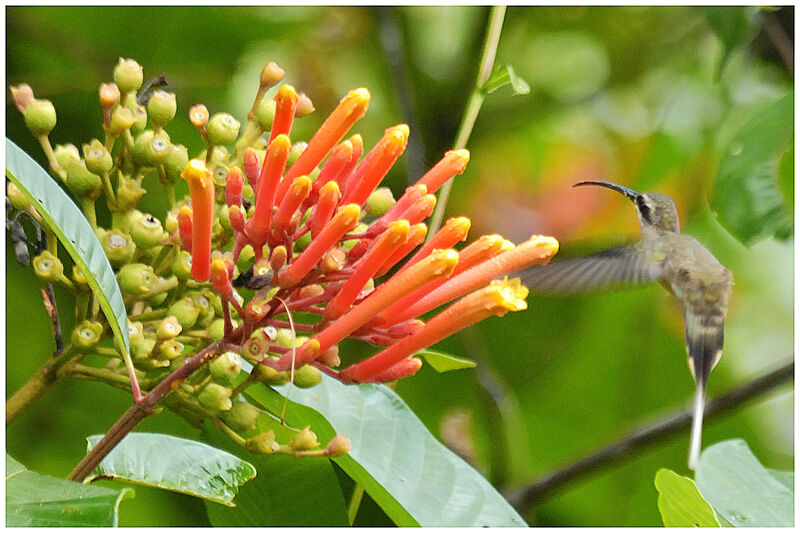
<point>624,266</point>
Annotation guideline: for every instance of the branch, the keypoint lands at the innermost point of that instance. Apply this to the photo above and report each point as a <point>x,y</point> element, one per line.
<point>640,438</point>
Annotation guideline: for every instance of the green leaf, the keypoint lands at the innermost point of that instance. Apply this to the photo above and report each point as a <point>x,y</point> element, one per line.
<point>64,218</point>
<point>679,502</point>
<point>504,75</point>
<point>741,490</point>
<point>786,177</point>
<point>747,197</point>
<point>785,478</point>
<point>444,362</point>
<point>288,491</point>
<point>175,464</point>
<point>413,477</point>
<point>36,500</point>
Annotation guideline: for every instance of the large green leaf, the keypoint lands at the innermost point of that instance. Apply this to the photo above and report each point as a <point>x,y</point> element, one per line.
<point>747,196</point>
<point>679,502</point>
<point>741,489</point>
<point>413,477</point>
<point>734,26</point>
<point>176,464</point>
<point>74,232</point>
<point>287,492</point>
<point>36,500</point>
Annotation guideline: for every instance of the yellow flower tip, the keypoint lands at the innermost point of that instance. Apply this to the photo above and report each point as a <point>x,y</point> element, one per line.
<point>301,185</point>
<point>398,231</point>
<point>459,225</point>
<point>196,171</point>
<point>348,214</point>
<point>443,261</point>
<point>330,189</point>
<point>280,143</point>
<point>356,141</point>
<point>506,245</point>
<point>510,294</point>
<point>459,157</point>
<point>286,92</point>
<point>418,231</point>
<point>218,265</point>
<point>357,97</point>
<point>547,244</point>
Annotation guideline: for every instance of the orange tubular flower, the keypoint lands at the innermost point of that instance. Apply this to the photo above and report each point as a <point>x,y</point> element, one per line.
<point>185,227</point>
<point>401,369</point>
<point>326,205</point>
<point>454,162</point>
<point>347,171</point>
<point>257,228</point>
<point>236,216</point>
<point>391,239</point>
<point>351,108</point>
<point>439,263</point>
<point>420,210</point>
<point>299,190</point>
<point>234,182</point>
<point>346,219</point>
<point>535,251</point>
<point>416,236</point>
<point>497,299</point>
<point>375,165</point>
<point>285,104</point>
<point>335,164</point>
<point>220,279</point>
<point>454,231</point>
<point>201,189</point>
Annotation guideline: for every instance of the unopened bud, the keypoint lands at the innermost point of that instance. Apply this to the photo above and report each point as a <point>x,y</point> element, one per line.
<point>307,376</point>
<point>226,367</point>
<point>266,374</point>
<point>242,416</point>
<point>109,95</point>
<point>22,95</point>
<point>271,74</point>
<point>81,182</point>
<point>338,445</point>
<point>185,311</point>
<point>16,196</point>
<point>169,328</point>
<point>198,116</point>
<point>215,397</point>
<point>305,440</point>
<point>128,75</point>
<point>129,192</point>
<point>223,129</point>
<point>297,149</point>
<point>151,148</point>
<point>137,279</point>
<point>264,443</point>
<point>161,108</point>
<point>304,106</point>
<point>330,357</point>
<point>379,201</point>
<point>40,117</point>
<point>97,158</point>
<point>147,232</point>
<point>182,265</point>
<point>176,161</point>
<point>121,120</point>
<point>265,113</point>
<point>333,260</point>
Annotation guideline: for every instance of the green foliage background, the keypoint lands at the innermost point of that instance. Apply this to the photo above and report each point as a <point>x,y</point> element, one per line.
<point>647,97</point>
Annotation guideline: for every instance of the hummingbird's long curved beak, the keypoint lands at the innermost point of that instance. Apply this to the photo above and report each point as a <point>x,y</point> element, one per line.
<point>630,194</point>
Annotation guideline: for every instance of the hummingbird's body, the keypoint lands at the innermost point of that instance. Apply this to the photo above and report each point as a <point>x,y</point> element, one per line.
<point>679,262</point>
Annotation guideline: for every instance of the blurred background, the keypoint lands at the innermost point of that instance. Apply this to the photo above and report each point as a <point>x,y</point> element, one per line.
<point>646,97</point>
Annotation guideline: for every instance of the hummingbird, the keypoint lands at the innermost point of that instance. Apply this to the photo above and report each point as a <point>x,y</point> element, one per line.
<point>678,262</point>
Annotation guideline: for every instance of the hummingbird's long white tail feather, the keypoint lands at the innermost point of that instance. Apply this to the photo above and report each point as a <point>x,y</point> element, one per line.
<point>697,426</point>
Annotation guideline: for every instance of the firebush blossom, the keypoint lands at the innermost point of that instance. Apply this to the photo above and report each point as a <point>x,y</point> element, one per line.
<point>319,248</point>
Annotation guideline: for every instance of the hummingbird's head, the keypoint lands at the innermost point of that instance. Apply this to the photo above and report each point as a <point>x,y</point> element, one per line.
<point>654,209</point>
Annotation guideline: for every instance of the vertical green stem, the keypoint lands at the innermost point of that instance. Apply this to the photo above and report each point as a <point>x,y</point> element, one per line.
<point>355,503</point>
<point>473,107</point>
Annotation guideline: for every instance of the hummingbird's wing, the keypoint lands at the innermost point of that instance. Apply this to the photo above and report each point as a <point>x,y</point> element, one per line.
<point>619,267</point>
<point>704,337</point>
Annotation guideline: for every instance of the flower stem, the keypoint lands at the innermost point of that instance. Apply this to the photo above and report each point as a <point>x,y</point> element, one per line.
<point>355,503</point>
<point>36,385</point>
<point>473,107</point>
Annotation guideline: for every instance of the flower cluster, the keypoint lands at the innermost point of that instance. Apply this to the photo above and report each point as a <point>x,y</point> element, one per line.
<point>279,252</point>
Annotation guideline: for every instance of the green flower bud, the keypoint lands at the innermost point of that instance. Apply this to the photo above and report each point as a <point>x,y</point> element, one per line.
<point>185,311</point>
<point>136,338</point>
<point>161,108</point>
<point>303,242</point>
<point>48,267</point>
<point>215,397</point>
<point>224,218</point>
<point>137,279</point>
<point>158,299</point>
<point>122,119</point>
<point>175,162</point>
<point>97,158</point>
<point>169,328</point>
<point>79,278</point>
<point>171,222</point>
<point>245,256</point>
<point>80,181</point>
<point>40,117</point>
<point>266,374</point>
<point>87,334</point>
<point>338,445</point>
<point>139,114</point>
<point>379,201</point>
<point>169,350</point>
<point>265,113</point>
<point>66,154</point>
<point>242,416</point>
<point>216,330</point>
<point>129,192</point>
<point>307,376</point>
<point>151,148</point>
<point>147,231</point>
<point>118,247</point>
<point>264,443</point>
<point>17,198</point>
<point>128,75</point>
<point>286,339</point>
<point>226,367</point>
<point>204,302</point>
<point>305,440</point>
<point>222,129</point>
<point>182,265</point>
